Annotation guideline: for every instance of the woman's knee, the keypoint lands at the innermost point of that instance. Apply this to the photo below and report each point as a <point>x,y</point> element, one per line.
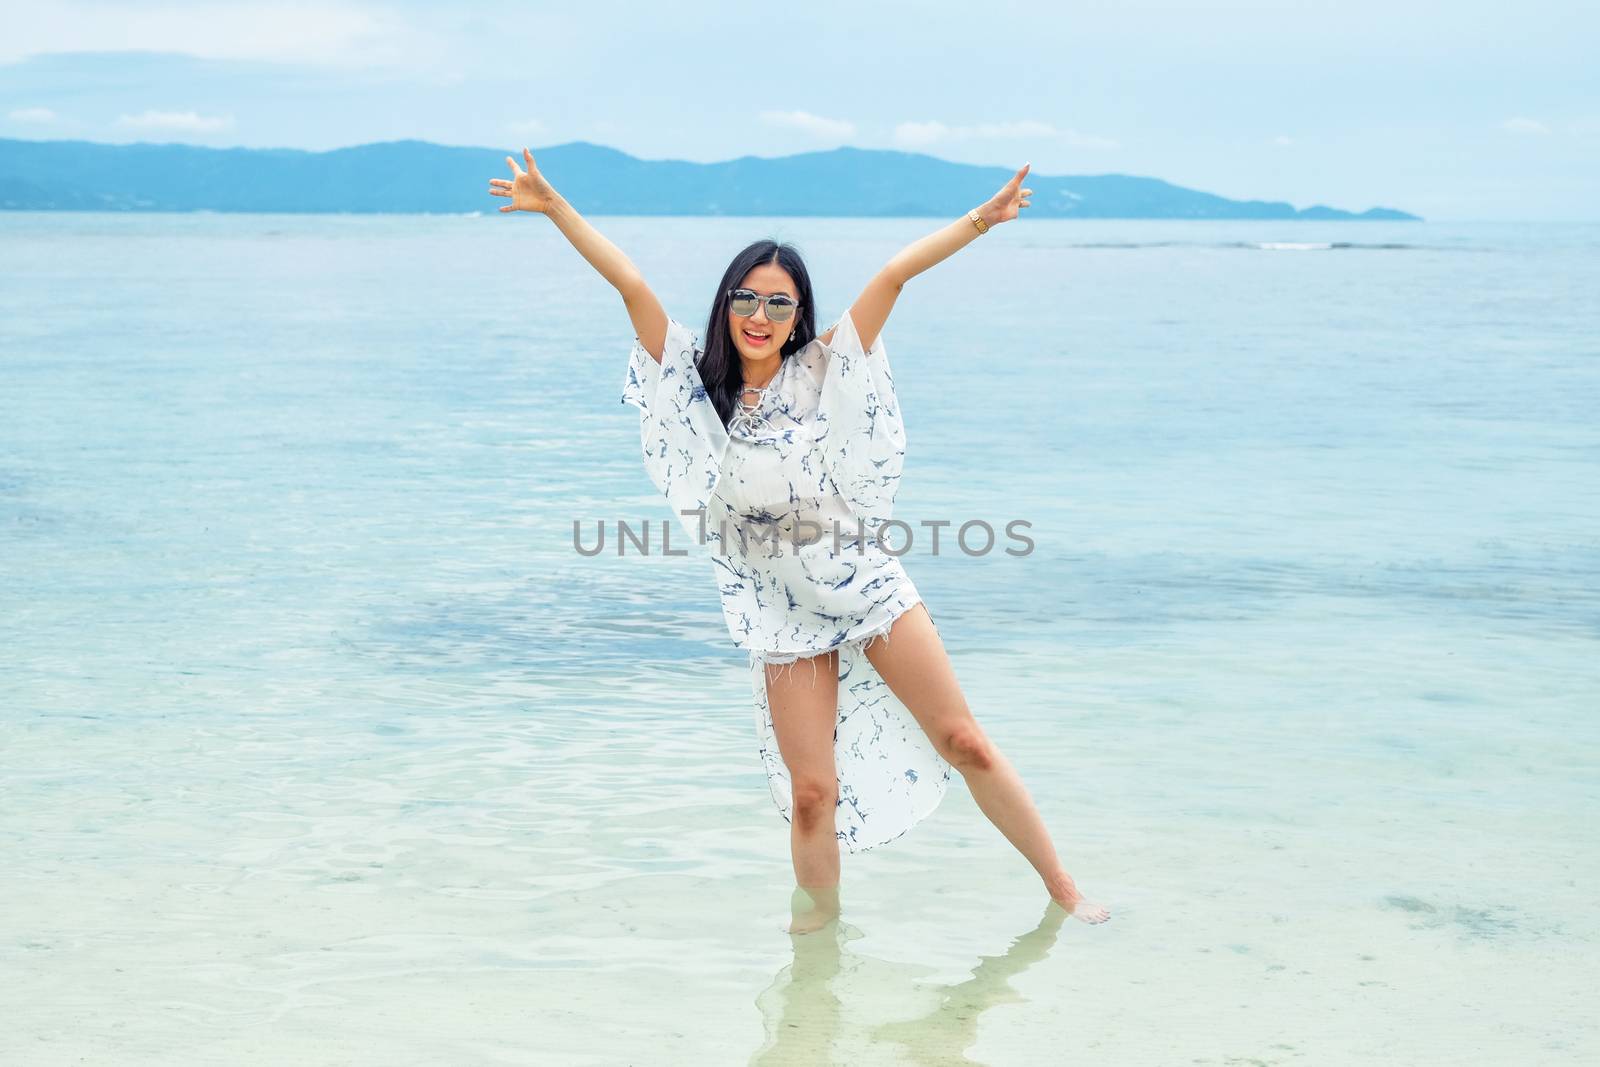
<point>814,800</point>
<point>966,746</point>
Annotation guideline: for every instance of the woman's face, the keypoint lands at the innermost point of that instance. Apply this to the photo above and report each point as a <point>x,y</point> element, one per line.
<point>766,279</point>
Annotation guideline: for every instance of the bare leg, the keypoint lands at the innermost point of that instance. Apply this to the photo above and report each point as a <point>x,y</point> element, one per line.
<point>804,698</point>
<point>914,664</point>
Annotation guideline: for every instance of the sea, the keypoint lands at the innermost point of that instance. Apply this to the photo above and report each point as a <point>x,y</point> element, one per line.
<point>321,742</point>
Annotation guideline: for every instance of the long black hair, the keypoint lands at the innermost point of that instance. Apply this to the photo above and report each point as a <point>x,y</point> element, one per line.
<point>720,367</point>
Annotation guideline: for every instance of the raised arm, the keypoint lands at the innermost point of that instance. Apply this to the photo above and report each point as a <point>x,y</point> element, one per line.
<point>531,191</point>
<point>872,307</point>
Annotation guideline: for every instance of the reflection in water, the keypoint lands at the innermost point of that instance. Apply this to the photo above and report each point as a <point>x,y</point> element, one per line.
<point>805,1023</point>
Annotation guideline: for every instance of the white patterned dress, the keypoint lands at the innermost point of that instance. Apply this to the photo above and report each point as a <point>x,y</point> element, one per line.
<point>787,498</point>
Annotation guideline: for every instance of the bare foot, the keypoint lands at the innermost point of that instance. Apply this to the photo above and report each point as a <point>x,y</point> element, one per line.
<point>806,922</point>
<point>1065,893</point>
<point>812,908</point>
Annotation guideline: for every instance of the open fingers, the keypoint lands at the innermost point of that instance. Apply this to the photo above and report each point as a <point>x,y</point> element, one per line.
<point>514,168</point>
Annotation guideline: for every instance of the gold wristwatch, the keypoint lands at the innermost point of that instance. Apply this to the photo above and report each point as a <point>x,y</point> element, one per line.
<point>983,227</point>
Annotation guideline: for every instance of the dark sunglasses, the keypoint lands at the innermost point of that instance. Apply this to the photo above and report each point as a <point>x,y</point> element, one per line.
<point>780,306</point>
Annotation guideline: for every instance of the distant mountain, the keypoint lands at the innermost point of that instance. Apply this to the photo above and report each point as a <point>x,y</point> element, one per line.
<point>417,176</point>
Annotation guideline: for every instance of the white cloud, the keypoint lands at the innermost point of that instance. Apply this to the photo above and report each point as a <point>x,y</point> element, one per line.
<point>334,35</point>
<point>1023,128</point>
<point>1283,139</point>
<point>815,125</point>
<point>1524,126</point>
<point>181,121</point>
<point>921,134</point>
<point>526,126</point>
<point>1084,140</point>
<point>912,134</point>
<point>31,114</point>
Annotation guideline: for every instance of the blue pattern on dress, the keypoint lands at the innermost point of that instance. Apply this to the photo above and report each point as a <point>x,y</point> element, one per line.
<point>825,444</point>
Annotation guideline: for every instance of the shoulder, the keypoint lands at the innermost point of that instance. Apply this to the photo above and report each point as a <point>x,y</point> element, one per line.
<point>682,341</point>
<point>811,359</point>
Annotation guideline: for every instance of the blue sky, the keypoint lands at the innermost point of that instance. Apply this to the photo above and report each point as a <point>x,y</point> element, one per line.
<point>1460,110</point>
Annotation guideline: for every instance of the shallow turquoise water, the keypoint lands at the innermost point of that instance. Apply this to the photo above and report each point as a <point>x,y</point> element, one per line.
<point>317,737</point>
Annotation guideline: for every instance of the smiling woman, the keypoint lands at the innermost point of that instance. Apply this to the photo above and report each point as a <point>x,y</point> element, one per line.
<point>782,450</point>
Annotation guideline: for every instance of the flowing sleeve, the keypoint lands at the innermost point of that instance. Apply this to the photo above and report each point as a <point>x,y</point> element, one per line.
<point>681,435</point>
<point>862,435</point>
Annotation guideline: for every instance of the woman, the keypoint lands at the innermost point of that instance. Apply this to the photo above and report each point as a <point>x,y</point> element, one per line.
<point>775,429</point>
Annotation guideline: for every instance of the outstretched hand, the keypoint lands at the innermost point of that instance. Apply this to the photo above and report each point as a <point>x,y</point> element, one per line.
<point>1008,203</point>
<point>529,191</point>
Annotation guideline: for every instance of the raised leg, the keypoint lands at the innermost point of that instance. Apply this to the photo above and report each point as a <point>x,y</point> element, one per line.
<point>913,662</point>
